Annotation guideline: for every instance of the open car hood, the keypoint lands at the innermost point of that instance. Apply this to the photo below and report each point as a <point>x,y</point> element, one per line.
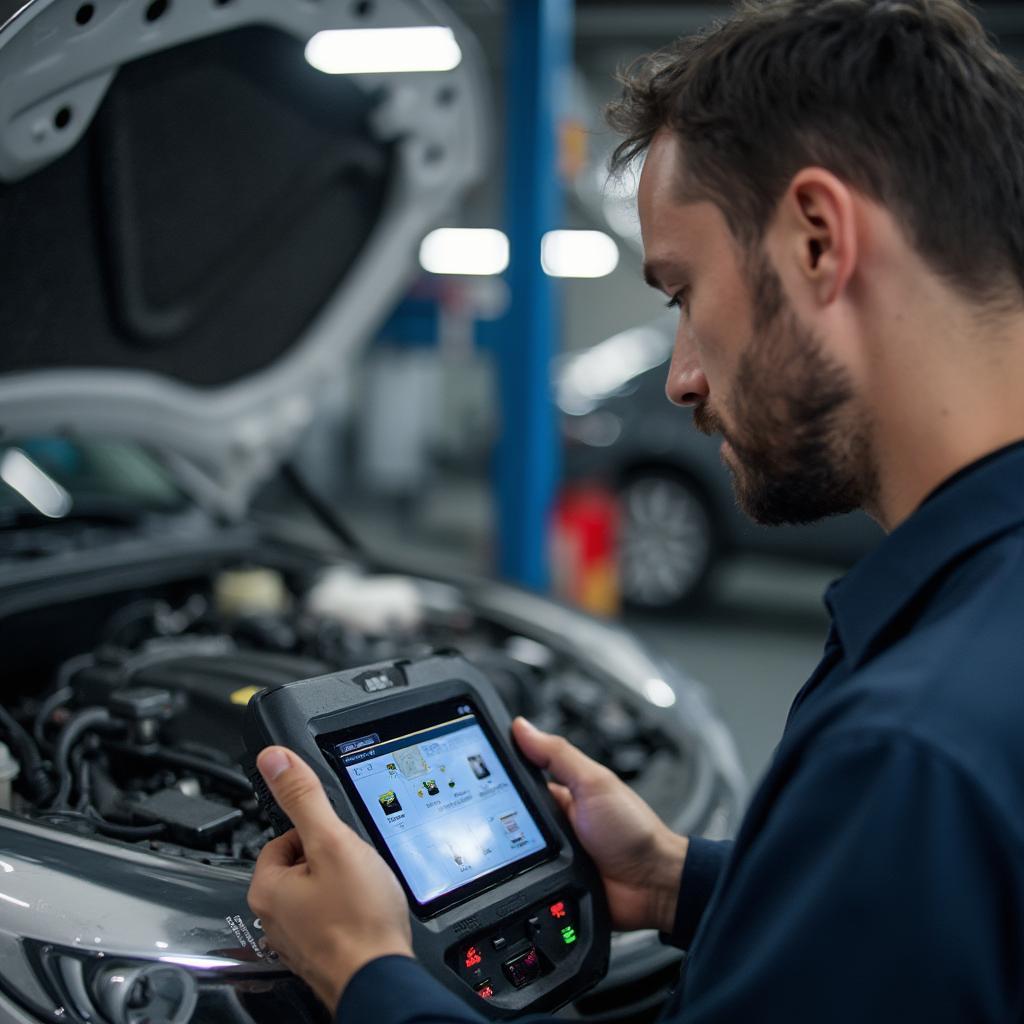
<point>199,229</point>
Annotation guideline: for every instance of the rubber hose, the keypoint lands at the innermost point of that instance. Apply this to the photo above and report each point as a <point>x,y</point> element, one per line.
<point>198,764</point>
<point>66,739</point>
<point>35,778</point>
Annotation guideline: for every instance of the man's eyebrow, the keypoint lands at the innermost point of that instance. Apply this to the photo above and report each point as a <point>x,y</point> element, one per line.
<point>652,269</point>
<point>649,276</point>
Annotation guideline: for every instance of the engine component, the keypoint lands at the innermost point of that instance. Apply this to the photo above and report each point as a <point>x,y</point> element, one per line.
<point>140,738</point>
<point>374,605</point>
<point>191,819</point>
<point>143,703</point>
<point>9,769</point>
<point>243,592</point>
<point>34,778</point>
<point>145,707</point>
<point>213,689</point>
<point>75,727</point>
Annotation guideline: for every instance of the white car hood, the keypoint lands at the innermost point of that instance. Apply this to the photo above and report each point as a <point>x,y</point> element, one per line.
<point>235,430</point>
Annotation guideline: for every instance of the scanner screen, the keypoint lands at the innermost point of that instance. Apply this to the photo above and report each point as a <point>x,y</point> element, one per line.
<point>440,799</point>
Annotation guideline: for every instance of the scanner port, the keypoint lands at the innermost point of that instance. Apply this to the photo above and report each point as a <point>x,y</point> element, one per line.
<point>526,968</point>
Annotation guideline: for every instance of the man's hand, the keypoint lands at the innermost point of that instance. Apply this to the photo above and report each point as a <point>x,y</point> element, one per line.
<point>639,857</point>
<point>327,901</point>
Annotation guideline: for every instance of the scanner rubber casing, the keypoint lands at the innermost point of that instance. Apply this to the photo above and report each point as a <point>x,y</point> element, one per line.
<point>293,715</point>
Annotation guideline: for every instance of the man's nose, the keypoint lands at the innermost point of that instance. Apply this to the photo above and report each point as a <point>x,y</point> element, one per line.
<point>686,384</point>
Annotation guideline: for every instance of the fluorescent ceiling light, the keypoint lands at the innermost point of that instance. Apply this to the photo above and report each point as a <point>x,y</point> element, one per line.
<point>578,254</point>
<point>39,489</point>
<point>477,251</point>
<point>658,692</point>
<point>365,51</point>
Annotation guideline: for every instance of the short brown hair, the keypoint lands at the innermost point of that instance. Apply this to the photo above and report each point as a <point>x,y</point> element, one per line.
<point>906,100</point>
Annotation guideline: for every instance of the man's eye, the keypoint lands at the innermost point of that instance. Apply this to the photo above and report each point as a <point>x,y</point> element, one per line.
<point>679,300</point>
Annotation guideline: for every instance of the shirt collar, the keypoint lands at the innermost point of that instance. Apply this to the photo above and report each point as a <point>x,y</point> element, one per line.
<point>971,508</point>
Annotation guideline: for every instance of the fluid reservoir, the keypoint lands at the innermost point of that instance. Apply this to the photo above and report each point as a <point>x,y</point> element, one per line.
<point>9,769</point>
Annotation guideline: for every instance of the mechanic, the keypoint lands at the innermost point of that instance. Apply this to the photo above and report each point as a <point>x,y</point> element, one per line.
<point>833,194</point>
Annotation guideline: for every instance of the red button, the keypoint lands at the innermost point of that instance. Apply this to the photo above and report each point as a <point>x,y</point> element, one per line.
<point>472,957</point>
<point>485,990</point>
<point>557,909</point>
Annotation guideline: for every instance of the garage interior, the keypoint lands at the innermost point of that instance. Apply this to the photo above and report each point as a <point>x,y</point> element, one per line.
<point>309,366</point>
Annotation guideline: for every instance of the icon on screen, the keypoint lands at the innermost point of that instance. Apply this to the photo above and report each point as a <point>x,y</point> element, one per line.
<point>411,762</point>
<point>389,802</point>
<point>513,832</point>
<point>480,770</point>
<point>456,855</point>
<point>431,787</point>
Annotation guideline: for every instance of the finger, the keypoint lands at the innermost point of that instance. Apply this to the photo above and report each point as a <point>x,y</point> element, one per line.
<point>298,793</point>
<point>276,858</point>
<point>562,796</point>
<point>283,852</point>
<point>568,764</point>
<point>271,949</point>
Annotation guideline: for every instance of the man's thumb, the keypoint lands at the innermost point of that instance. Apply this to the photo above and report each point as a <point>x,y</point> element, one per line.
<point>566,763</point>
<point>532,741</point>
<point>297,790</point>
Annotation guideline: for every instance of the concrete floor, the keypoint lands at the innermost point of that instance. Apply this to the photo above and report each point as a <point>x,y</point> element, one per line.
<point>753,643</point>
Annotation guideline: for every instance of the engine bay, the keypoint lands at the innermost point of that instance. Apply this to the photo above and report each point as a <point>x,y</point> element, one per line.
<point>137,737</point>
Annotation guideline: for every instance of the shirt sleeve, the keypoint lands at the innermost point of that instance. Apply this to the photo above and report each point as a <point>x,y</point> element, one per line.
<point>705,859</point>
<point>881,885</point>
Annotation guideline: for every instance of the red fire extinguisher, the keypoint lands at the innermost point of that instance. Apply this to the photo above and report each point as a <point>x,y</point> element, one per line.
<point>584,539</point>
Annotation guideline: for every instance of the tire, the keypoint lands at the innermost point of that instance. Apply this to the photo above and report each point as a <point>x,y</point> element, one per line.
<point>667,544</point>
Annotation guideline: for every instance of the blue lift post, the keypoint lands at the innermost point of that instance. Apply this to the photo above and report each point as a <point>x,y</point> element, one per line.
<point>539,36</point>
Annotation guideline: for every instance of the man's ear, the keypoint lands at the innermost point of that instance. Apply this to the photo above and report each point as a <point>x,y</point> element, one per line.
<point>819,224</point>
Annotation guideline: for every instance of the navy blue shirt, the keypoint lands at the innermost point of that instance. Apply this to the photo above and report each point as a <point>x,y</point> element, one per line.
<point>878,874</point>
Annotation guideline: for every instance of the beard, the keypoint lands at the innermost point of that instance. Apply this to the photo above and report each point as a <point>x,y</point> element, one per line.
<point>799,452</point>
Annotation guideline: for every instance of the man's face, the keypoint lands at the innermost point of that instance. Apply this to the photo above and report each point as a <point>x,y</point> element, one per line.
<point>794,439</point>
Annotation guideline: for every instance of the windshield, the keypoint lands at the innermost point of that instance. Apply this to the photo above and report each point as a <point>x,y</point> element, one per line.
<point>59,479</point>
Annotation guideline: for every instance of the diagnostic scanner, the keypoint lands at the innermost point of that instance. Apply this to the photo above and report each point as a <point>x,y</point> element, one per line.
<point>507,909</point>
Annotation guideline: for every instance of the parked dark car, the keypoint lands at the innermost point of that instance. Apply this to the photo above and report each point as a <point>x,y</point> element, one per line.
<point>679,515</point>
<point>198,230</point>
